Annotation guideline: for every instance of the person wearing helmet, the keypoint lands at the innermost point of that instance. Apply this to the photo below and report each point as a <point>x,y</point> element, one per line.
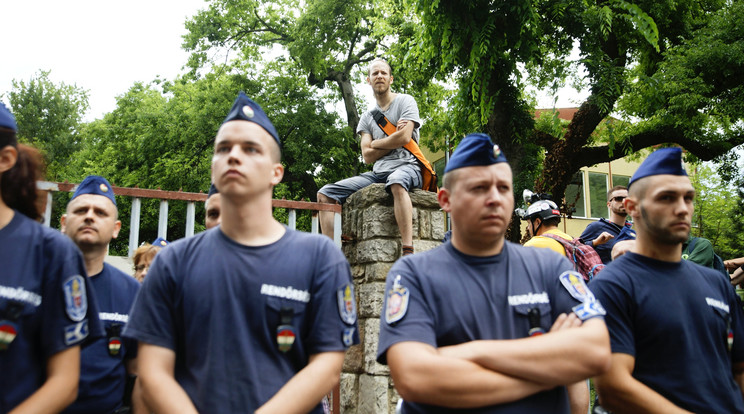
<point>543,217</point>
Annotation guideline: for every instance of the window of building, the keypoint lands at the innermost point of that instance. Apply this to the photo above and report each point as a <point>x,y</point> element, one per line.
<point>575,195</point>
<point>598,195</point>
<point>620,180</point>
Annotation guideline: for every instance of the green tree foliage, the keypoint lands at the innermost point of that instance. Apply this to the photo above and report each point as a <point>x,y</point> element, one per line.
<point>718,214</point>
<point>672,65</point>
<point>326,39</point>
<point>162,135</point>
<point>49,117</point>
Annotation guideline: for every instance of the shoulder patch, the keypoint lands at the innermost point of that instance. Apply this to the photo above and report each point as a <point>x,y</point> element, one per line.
<point>575,285</point>
<point>397,302</point>
<point>589,310</point>
<point>76,300</point>
<point>346,304</point>
<point>348,336</point>
<point>76,332</point>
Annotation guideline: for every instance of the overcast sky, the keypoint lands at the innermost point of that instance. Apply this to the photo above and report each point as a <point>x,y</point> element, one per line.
<point>99,45</point>
<point>105,46</point>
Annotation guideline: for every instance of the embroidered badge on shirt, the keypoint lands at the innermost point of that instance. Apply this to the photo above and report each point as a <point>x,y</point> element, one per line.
<point>76,302</point>
<point>346,304</point>
<point>397,302</point>
<point>285,334</point>
<point>575,285</point>
<point>114,346</point>
<point>285,337</point>
<point>76,332</point>
<point>589,310</point>
<point>348,336</point>
<point>8,332</point>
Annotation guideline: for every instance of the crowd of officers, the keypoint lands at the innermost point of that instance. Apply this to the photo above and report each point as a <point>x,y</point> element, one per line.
<point>250,316</point>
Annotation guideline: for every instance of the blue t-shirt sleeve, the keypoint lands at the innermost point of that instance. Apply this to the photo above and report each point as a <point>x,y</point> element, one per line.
<point>333,322</point>
<point>590,233</point>
<point>617,302</point>
<point>69,303</point>
<point>563,301</point>
<point>130,345</point>
<point>415,318</point>
<point>737,323</point>
<point>152,319</point>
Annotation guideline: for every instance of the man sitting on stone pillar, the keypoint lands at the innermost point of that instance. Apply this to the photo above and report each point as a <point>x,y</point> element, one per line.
<point>393,165</point>
<point>483,323</point>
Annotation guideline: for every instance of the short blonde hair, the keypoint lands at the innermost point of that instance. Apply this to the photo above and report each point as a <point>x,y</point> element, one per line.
<point>145,251</point>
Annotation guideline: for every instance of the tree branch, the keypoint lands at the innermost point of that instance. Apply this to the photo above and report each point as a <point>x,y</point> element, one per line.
<point>704,151</point>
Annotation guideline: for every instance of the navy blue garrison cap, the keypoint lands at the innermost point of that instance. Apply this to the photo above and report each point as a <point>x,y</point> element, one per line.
<point>475,150</point>
<point>160,242</point>
<point>212,190</point>
<point>665,161</point>
<point>7,120</point>
<point>245,109</point>
<point>95,184</point>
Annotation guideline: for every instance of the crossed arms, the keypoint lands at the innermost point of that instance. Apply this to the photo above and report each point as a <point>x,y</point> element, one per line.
<point>489,372</point>
<point>373,150</point>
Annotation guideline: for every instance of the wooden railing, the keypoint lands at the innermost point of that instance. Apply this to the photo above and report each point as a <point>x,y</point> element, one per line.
<point>190,198</point>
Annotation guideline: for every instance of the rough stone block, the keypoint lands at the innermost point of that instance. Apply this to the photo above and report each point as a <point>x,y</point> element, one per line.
<point>414,222</point>
<point>377,250</point>
<point>424,227</point>
<point>424,199</point>
<point>376,272</point>
<point>424,245</point>
<point>438,225</point>
<point>354,359</point>
<point>348,390</point>
<point>379,221</point>
<point>373,394</point>
<point>358,272</point>
<point>393,396</point>
<point>367,196</point>
<point>371,296</point>
<point>371,334</point>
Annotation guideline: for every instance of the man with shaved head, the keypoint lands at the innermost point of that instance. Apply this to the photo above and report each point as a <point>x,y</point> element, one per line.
<point>249,316</point>
<point>676,328</point>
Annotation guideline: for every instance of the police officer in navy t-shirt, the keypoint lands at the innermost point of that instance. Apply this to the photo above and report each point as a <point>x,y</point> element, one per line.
<point>47,309</point>
<point>248,316</point>
<point>91,222</point>
<point>676,328</point>
<point>483,325</point>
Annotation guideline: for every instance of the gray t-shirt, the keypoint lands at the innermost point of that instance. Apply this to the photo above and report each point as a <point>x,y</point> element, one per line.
<point>402,107</point>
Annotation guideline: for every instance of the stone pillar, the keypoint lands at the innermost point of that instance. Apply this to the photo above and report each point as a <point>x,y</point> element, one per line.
<point>372,244</point>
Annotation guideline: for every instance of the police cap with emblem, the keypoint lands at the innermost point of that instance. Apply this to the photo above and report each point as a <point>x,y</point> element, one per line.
<point>245,109</point>
<point>665,161</point>
<point>475,150</point>
<point>95,184</point>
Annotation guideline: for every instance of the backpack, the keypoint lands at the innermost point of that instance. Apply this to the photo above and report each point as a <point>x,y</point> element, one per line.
<point>585,259</point>
<point>717,261</point>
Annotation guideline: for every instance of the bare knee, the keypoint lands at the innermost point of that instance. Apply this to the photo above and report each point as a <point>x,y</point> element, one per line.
<point>322,198</point>
<point>397,190</point>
